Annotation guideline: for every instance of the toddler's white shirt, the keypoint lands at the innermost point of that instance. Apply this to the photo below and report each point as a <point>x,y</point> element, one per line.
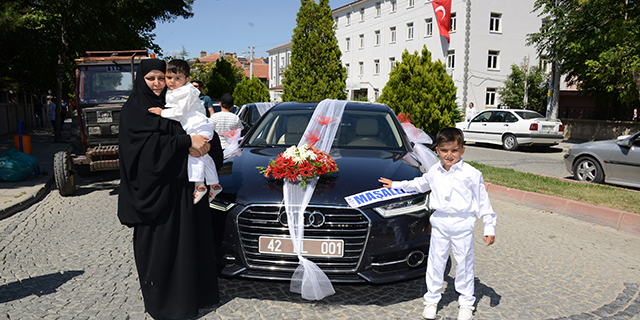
<point>184,105</point>
<point>459,190</point>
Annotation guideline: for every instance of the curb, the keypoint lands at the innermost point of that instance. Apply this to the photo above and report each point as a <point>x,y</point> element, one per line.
<point>623,221</point>
<point>7,212</point>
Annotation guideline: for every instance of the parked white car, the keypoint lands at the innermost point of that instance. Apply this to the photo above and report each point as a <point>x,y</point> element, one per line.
<point>512,128</point>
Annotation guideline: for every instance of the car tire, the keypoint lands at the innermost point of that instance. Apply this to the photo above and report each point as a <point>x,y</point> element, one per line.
<point>588,169</point>
<point>63,173</point>
<point>509,142</point>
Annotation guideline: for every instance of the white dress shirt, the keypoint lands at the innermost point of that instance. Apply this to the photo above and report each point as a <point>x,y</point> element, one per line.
<point>459,190</point>
<point>184,105</point>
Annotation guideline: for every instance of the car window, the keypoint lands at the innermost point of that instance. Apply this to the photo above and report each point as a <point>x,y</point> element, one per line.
<point>358,129</point>
<point>497,116</point>
<point>482,117</point>
<point>255,115</point>
<point>509,117</point>
<point>528,114</point>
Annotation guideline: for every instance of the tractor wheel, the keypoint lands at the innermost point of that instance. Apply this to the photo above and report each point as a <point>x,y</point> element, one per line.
<point>63,172</point>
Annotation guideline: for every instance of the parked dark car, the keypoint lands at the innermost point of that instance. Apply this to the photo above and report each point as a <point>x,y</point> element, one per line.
<point>611,161</point>
<point>383,242</point>
<point>249,115</point>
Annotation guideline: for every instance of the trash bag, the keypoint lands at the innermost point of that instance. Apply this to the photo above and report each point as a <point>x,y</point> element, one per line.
<point>16,166</point>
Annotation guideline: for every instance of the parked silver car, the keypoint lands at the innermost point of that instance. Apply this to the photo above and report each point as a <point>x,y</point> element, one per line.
<point>611,161</point>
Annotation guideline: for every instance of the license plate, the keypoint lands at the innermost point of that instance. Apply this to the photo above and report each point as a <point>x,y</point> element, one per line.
<point>548,128</point>
<point>310,247</point>
<point>104,116</point>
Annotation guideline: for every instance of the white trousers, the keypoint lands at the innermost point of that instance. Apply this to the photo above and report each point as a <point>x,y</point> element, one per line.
<point>202,168</point>
<point>451,232</point>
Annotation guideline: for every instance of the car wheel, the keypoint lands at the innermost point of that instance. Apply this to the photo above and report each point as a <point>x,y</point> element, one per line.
<point>63,173</point>
<point>588,169</point>
<point>509,142</point>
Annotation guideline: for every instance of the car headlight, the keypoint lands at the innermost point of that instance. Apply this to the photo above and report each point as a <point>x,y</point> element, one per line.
<point>95,130</point>
<point>221,205</point>
<point>417,205</point>
<point>115,129</point>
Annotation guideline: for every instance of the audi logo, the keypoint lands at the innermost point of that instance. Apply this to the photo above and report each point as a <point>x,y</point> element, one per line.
<point>314,219</point>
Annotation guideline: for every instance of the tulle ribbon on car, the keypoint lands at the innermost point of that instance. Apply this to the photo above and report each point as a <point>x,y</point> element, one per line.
<point>233,142</point>
<point>308,279</point>
<point>425,156</point>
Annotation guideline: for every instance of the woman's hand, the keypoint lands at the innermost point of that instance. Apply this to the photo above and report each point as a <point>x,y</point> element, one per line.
<point>199,146</point>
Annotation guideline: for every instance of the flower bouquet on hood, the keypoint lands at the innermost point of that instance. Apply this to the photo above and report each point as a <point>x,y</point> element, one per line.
<point>300,164</point>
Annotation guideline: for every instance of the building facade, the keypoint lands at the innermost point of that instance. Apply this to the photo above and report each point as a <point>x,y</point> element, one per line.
<point>486,38</point>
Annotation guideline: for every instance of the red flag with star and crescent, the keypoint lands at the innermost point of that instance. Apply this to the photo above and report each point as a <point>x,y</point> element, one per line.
<point>442,9</point>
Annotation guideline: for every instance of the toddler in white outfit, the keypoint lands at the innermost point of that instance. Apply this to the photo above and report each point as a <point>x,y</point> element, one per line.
<point>183,104</point>
<point>457,191</point>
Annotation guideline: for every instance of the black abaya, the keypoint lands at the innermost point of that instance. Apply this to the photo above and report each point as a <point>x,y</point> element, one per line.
<point>173,238</point>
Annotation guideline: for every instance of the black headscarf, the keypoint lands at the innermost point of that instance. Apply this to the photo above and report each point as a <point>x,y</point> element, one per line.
<point>152,150</point>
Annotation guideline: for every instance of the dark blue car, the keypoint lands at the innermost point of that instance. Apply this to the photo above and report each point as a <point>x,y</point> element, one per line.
<point>381,242</point>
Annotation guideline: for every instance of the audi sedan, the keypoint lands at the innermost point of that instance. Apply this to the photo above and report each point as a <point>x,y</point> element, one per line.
<point>378,242</point>
<point>611,161</point>
<point>512,128</point>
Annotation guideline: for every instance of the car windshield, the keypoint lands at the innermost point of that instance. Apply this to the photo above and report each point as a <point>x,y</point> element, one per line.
<point>529,114</point>
<point>358,129</point>
<point>104,83</point>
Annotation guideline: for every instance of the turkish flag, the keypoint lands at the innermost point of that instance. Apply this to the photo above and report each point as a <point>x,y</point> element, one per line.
<point>442,9</point>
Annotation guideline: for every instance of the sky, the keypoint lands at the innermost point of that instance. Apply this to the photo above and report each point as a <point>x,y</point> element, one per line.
<point>232,26</point>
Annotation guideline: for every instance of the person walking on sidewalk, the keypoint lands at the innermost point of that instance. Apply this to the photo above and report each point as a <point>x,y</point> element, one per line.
<point>52,112</point>
<point>457,191</point>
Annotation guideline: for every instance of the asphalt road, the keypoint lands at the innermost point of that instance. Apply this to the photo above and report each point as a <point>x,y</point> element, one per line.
<point>548,162</point>
<point>69,258</point>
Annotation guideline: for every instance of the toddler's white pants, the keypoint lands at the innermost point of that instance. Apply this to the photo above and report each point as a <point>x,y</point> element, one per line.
<point>202,168</point>
<point>451,232</point>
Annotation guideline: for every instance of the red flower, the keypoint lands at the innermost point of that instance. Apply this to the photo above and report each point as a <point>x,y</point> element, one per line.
<point>278,172</point>
<point>306,170</point>
<point>404,117</point>
<point>322,120</point>
<point>291,175</point>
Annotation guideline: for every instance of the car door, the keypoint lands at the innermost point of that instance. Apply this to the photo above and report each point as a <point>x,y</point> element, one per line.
<point>624,163</point>
<point>476,128</point>
<point>496,126</point>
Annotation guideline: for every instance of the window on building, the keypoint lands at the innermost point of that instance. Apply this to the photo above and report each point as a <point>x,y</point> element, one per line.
<point>494,22</point>
<point>348,19</point>
<point>378,9</point>
<point>492,61</point>
<point>282,61</point>
<point>428,30</point>
<point>392,63</point>
<point>377,37</point>
<point>361,41</point>
<point>336,20</point>
<point>361,69</point>
<point>411,3</point>
<point>545,64</point>
<point>376,66</point>
<point>394,5</point>
<point>410,31</point>
<point>376,93</point>
<point>347,44</point>
<point>392,34</point>
<point>490,97</point>
<point>451,59</point>
<point>453,22</point>
<point>361,14</point>
<point>346,65</point>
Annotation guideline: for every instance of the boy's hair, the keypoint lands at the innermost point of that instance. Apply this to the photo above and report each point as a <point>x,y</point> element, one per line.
<point>449,135</point>
<point>226,101</point>
<point>198,82</point>
<point>178,66</point>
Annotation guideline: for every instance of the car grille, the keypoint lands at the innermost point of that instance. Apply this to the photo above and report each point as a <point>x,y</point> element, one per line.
<point>347,224</point>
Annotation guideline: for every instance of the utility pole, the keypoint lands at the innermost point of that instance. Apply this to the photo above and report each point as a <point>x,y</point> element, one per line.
<point>553,94</point>
<point>250,61</point>
<point>526,87</point>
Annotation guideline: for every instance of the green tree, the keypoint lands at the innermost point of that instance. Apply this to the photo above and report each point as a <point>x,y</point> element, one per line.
<point>598,43</point>
<point>223,79</point>
<point>250,90</point>
<point>315,72</point>
<point>422,88</point>
<point>512,94</point>
<point>43,37</point>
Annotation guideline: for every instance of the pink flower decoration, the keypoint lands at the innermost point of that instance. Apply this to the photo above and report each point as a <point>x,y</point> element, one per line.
<point>313,137</point>
<point>322,120</point>
<point>231,134</point>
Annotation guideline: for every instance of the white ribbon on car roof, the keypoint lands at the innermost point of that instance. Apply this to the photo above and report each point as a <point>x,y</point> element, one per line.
<point>308,279</point>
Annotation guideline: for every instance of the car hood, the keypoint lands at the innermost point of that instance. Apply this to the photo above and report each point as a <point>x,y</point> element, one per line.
<point>359,170</point>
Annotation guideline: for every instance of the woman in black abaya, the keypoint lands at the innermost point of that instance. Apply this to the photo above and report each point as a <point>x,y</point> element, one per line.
<point>172,237</point>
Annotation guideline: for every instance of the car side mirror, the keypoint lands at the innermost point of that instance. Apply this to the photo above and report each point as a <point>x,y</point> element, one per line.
<point>627,142</point>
